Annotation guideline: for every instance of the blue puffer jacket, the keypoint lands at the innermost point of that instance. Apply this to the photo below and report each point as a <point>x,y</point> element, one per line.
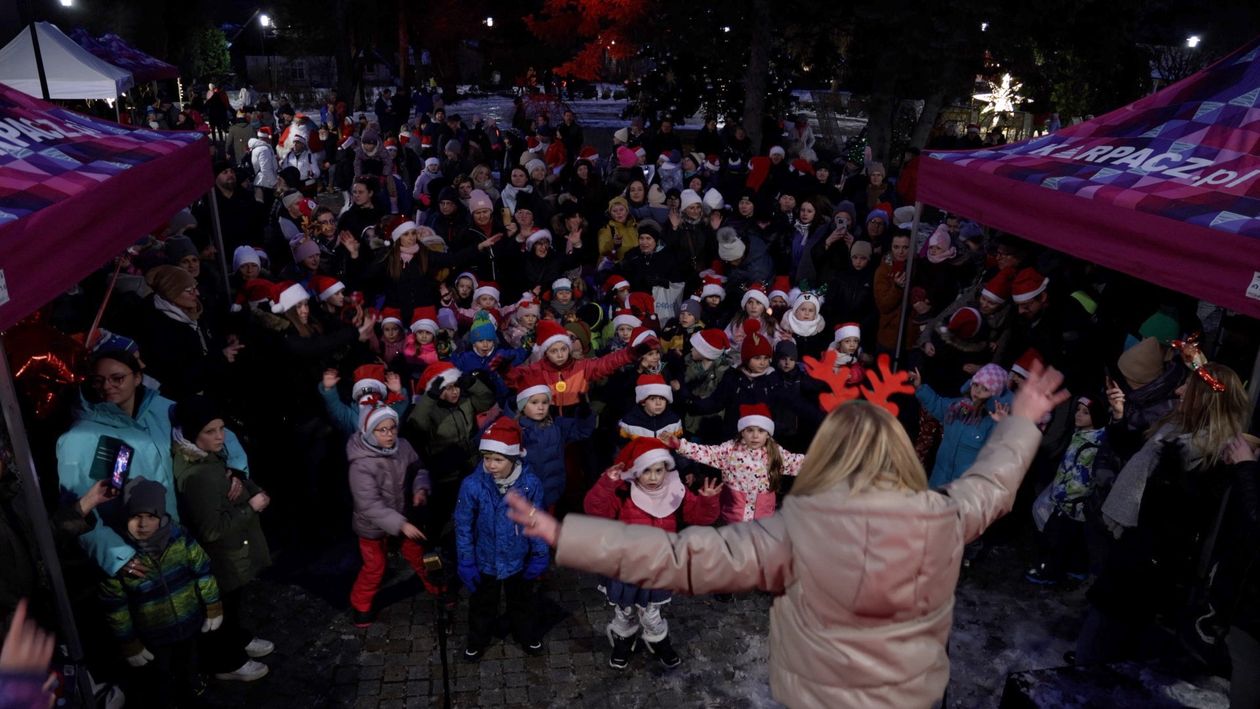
<point>960,441</point>
<point>483,532</point>
<point>149,433</point>
<point>544,450</point>
<point>469,361</point>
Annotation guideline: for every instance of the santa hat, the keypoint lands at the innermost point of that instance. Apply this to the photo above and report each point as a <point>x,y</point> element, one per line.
<point>965,323</point>
<point>256,291</point>
<point>401,229</point>
<point>652,385</point>
<point>615,282</point>
<point>548,333</point>
<point>502,437</point>
<point>438,376</point>
<point>640,335</point>
<point>588,152</point>
<point>533,385</point>
<point>527,306</point>
<point>755,344</point>
<point>540,235</point>
<point>1028,284</point>
<point>625,316</point>
<point>689,197</point>
<point>265,132</point>
<point>486,288</point>
<point>424,319</point>
<point>643,304</point>
<point>287,294</point>
<point>1023,366</point>
<point>710,343</point>
<point>716,269</point>
<point>326,287</point>
<point>756,292</point>
<point>712,286</point>
<point>846,330</point>
<point>373,415</point>
<point>998,289</point>
<point>641,454</point>
<point>755,415</point>
<point>369,379</point>
<point>391,315</point>
<point>780,287</point>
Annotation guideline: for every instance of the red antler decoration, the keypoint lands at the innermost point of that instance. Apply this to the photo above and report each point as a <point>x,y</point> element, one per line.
<point>1195,360</point>
<point>883,382</point>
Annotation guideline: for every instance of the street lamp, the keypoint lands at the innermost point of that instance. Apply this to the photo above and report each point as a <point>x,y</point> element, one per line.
<point>489,22</point>
<point>265,21</point>
<point>67,3</point>
<point>1193,41</point>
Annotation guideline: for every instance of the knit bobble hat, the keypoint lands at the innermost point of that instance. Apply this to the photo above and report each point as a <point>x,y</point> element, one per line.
<point>755,344</point>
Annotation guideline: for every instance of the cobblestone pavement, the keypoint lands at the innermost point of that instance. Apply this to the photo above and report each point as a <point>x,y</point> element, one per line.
<point>1002,624</point>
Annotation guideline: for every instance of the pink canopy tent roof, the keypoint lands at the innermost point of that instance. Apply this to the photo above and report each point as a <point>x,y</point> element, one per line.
<point>114,50</point>
<point>75,191</point>
<point>1166,189</point>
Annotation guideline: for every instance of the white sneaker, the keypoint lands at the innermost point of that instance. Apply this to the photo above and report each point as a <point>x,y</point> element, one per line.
<point>259,648</point>
<point>247,672</point>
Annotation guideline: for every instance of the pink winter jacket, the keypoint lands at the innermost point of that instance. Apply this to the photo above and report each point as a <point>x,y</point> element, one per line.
<point>746,476</point>
<point>866,581</point>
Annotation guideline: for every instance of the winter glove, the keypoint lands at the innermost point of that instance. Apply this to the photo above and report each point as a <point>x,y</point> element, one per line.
<point>536,567</point>
<point>500,364</point>
<point>470,575</point>
<point>141,658</point>
<point>211,624</point>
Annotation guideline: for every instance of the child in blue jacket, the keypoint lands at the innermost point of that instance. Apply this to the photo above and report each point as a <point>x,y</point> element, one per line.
<point>483,350</point>
<point>545,438</point>
<point>494,554</point>
<point>968,420</point>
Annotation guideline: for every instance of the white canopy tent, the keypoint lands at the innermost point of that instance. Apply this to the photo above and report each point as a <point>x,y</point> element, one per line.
<point>73,72</point>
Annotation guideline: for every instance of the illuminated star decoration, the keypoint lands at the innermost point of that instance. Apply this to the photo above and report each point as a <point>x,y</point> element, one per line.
<point>1002,98</point>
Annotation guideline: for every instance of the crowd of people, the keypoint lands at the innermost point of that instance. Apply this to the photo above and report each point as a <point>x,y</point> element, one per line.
<point>423,313</point>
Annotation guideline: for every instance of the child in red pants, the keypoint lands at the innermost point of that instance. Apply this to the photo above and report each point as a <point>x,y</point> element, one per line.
<point>380,464</point>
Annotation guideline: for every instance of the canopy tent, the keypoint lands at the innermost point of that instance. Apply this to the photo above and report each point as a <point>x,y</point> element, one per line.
<point>76,190</point>
<point>111,48</point>
<point>1166,189</point>
<point>73,72</point>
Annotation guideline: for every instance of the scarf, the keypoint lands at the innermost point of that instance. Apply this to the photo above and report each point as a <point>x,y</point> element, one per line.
<point>804,328</point>
<point>1124,502</point>
<point>407,252</point>
<point>943,257</point>
<point>504,483</point>
<point>182,315</point>
<point>156,544</point>
<point>508,195</point>
<point>663,501</point>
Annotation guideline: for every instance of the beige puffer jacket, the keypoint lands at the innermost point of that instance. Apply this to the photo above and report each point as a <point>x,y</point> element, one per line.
<point>867,581</point>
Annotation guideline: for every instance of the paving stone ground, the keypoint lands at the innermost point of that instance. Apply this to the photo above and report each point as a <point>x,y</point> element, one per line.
<point>1002,624</point>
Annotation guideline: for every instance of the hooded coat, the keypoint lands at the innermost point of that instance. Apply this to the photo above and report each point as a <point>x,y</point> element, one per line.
<point>263,159</point>
<point>378,483</point>
<point>483,533</point>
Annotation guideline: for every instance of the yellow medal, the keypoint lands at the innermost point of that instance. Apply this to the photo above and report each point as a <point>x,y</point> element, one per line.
<point>560,387</point>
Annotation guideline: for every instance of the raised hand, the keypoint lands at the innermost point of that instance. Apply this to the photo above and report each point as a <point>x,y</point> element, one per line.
<point>1000,411</point>
<point>710,487</point>
<point>331,377</point>
<point>614,473</point>
<point>536,523</point>
<point>1039,394</point>
<point>1115,399</point>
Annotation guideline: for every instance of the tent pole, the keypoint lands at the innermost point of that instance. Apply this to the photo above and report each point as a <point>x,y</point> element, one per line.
<point>905,293</point>
<point>40,524</point>
<point>213,199</point>
<point>39,57</point>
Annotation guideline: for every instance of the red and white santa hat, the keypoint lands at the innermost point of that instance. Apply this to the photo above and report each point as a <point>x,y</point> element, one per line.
<point>502,437</point>
<point>424,319</point>
<point>391,315</point>
<point>965,323</point>
<point>287,294</point>
<point>486,288</point>
<point>641,454</point>
<point>625,316</point>
<point>540,235</point>
<point>780,288</point>
<point>527,305</point>
<point>438,376</point>
<point>998,288</point>
<point>755,415</point>
<point>652,385</point>
<point>533,386</point>
<point>256,291</point>
<point>846,330</point>
<point>716,269</point>
<point>756,292</point>
<point>640,335</point>
<point>712,286</point>
<point>369,380</point>
<point>373,415</point>
<point>1028,284</point>
<point>548,333</point>
<point>615,282</point>
<point>710,343</point>
<point>1024,364</point>
<point>402,229</point>
<point>326,286</point>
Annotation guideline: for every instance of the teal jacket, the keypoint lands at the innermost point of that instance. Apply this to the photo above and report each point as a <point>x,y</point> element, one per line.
<point>149,433</point>
<point>960,441</point>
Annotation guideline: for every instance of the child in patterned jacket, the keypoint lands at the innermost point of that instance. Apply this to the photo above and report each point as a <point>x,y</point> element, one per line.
<point>751,467</point>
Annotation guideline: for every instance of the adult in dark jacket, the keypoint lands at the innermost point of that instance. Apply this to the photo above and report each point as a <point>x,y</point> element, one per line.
<point>408,273</point>
<point>747,259</point>
<point>240,217</point>
<point>708,139</point>
<point>362,212</point>
<point>851,294</point>
<point>179,350</point>
<point>450,219</point>
<point>1236,584</point>
<point>652,264</point>
<point>497,257</point>
<point>544,263</point>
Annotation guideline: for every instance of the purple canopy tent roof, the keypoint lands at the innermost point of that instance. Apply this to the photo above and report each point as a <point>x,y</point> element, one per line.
<point>1166,189</point>
<point>76,190</point>
<point>112,48</point>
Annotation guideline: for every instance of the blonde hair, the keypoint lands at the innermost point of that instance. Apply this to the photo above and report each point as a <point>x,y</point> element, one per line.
<point>863,445</point>
<point>1211,418</point>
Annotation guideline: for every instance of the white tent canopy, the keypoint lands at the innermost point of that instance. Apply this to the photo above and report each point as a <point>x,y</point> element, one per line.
<point>73,72</point>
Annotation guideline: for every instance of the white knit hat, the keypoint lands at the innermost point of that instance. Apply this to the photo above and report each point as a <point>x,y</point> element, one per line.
<point>689,197</point>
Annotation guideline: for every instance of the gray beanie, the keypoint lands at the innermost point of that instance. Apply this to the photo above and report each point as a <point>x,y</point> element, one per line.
<point>178,248</point>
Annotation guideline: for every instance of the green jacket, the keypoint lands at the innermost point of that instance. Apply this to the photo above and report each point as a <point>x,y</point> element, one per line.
<point>229,531</point>
<point>447,433</point>
<point>169,604</point>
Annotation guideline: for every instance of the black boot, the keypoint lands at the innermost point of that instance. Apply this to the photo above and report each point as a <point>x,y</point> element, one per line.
<point>664,652</point>
<point>622,648</point>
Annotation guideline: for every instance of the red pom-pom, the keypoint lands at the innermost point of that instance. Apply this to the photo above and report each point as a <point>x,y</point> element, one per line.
<point>751,327</point>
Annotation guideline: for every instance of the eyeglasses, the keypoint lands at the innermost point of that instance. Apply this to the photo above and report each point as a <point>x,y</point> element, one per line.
<point>386,430</point>
<point>191,289</point>
<point>99,382</point>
